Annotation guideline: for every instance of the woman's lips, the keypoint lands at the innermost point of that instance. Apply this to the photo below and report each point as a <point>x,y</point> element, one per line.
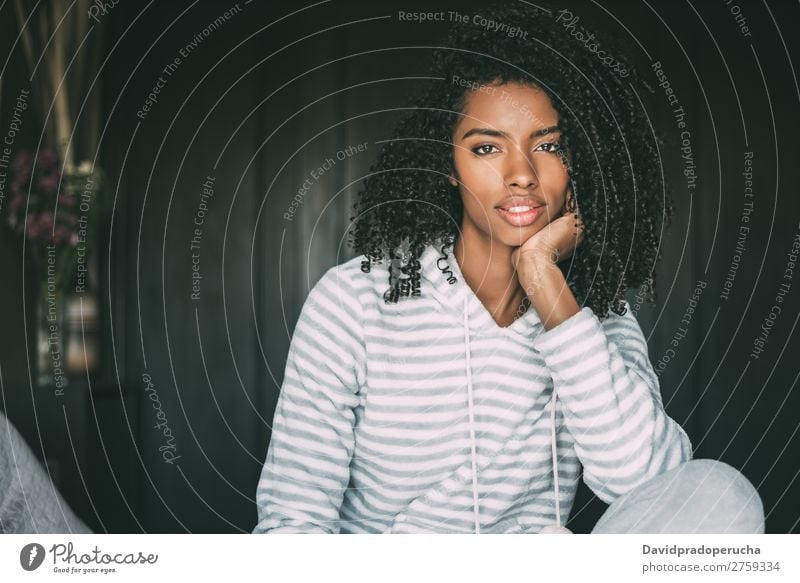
<point>520,215</point>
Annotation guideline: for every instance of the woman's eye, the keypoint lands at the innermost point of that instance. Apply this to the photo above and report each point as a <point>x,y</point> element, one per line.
<point>483,149</point>
<point>550,146</point>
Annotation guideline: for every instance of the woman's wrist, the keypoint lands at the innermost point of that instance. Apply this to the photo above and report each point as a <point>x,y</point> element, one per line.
<point>547,289</point>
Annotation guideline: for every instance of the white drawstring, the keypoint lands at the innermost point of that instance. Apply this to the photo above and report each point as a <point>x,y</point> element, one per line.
<point>555,528</point>
<point>555,457</point>
<point>471,419</point>
<point>553,445</point>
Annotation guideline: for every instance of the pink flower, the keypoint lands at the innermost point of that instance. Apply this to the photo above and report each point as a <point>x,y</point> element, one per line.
<point>73,239</point>
<point>48,184</point>
<point>47,157</point>
<point>32,229</point>
<point>68,200</point>
<point>46,220</point>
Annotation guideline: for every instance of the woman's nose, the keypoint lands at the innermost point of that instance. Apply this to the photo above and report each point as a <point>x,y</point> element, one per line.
<point>520,171</point>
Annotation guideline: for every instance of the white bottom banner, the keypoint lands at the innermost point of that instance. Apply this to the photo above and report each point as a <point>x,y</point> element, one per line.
<point>412,558</point>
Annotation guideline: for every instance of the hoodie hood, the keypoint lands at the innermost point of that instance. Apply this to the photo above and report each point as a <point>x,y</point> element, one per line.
<point>450,296</point>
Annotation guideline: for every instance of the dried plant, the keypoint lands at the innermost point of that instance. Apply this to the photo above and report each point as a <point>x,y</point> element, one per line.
<point>61,50</point>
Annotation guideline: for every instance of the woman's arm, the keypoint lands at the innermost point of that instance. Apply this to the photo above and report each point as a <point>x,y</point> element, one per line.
<point>611,401</point>
<point>536,264</point>
<point>29,501</point>
<point>602,373</point>
<point>307,466</point>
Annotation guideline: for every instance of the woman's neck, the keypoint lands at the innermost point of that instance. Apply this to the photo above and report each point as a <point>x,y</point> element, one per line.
<point>486,267</point>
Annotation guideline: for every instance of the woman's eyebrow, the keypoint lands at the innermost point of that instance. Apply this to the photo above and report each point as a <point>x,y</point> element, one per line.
<point>502,134</point>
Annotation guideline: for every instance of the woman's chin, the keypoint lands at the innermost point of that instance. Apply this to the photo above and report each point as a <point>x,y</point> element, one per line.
<point>514,236</point>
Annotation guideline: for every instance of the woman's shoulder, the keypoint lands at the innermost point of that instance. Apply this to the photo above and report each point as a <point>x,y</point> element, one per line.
<point>348,281</point>
<point>624,329</point>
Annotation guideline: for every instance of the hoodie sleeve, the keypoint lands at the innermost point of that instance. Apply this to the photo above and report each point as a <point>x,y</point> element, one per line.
<point>307,466</point>
<point>29,501</point>
<point>612,402</point>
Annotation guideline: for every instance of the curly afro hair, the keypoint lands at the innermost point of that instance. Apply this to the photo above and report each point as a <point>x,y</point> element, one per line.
<point>407,202</point>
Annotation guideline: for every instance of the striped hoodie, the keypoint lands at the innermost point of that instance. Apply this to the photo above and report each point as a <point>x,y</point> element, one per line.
<point>427,416</point>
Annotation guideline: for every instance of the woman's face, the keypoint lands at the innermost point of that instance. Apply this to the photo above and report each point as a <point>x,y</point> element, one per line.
<point>507,162</point>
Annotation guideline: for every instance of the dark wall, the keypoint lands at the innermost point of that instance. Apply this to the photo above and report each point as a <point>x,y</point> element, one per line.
<point>267,97</point>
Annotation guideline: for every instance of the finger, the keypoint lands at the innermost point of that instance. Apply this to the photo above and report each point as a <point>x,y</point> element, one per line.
<point>571,235</point>
<point>576,223</point>
<point>570,222</point>
<point>570,200</point>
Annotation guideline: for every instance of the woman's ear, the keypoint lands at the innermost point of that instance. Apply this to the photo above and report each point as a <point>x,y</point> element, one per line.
<point>453,180</point>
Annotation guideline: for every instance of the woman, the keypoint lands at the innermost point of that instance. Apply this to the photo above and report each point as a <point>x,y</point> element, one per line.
<point>461,386</point>
<point>29,501</point>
